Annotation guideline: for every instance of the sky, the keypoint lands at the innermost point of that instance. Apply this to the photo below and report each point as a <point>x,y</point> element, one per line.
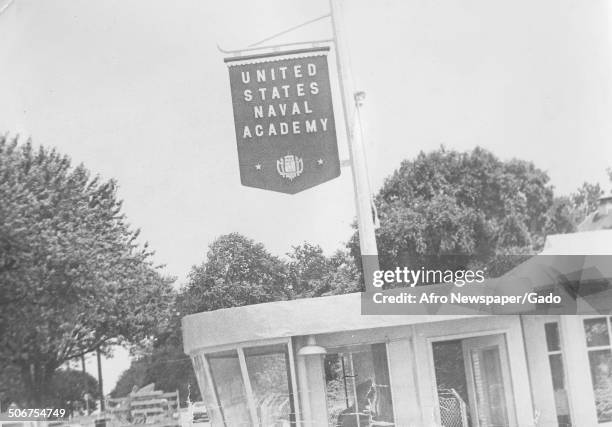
<point>137,91</point>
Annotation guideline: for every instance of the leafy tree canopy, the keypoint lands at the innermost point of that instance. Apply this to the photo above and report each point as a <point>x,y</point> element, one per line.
<point>165,364</point>
<point>67,385</point>
<point>133,376</point>
<point>71,386</point>
<point>310,273</point>
<point>72,277</point>
<point>449,208</point>
<point>237,271</point>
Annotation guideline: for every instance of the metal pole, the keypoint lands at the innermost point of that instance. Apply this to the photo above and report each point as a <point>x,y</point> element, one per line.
<point>367,237</point>
<point>344,380</point>
<point>100,385</point>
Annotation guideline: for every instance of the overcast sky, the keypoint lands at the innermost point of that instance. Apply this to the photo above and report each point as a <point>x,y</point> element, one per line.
<point>137,91</point>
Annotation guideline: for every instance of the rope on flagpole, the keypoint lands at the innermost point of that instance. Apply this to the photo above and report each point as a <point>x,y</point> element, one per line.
<point>6,6</point>
<point>257,45</point>
<point>327,15</point>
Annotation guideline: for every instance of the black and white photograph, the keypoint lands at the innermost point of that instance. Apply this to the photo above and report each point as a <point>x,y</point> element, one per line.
<point>305,213</point>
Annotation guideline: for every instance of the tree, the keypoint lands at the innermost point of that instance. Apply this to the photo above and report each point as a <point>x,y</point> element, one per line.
<point>447,209</point>
<point>71,386</point>
<point>133,376</point>
<point>167,366</point>
<point>11,386</point>
<point>311,273</point>
<point>584,201</point>
<point>66,386</point>
<point>171,369</point>
<point>72,276</point>
<point>563,216</point>
<point>307,269</point>
<point>567,212</point>
<point>237,271</point>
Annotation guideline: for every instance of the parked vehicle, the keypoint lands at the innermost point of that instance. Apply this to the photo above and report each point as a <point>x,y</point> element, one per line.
<point>200,414</point>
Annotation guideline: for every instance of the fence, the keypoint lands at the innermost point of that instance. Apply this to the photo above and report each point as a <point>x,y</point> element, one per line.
<point>453,410</point>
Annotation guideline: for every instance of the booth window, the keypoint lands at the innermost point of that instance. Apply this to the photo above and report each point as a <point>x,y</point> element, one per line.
<point>557,372</point>
<point>248,386</point>
<point>269,375</point>
<point>357,386</point>
<point>597,332</point>
<point>229,387</point>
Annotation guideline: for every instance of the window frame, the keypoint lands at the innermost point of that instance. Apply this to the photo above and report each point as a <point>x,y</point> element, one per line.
<point>430,340</point>
<point>561,353</point>
<point>240,349</point>
<point>608,318</point>
<point>349,348</point>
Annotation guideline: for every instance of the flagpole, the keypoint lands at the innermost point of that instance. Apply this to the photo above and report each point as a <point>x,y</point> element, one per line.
<point>363,197</point>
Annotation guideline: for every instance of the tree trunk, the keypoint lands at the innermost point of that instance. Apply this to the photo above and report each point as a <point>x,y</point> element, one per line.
<point>37,382</point>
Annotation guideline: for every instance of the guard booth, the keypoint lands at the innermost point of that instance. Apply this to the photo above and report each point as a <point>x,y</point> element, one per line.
<point>319,362</point>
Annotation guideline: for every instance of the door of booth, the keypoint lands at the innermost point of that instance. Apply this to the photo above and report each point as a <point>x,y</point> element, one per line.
<point>489,386</point>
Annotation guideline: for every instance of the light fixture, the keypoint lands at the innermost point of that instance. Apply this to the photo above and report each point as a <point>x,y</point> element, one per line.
<point>311,348</point>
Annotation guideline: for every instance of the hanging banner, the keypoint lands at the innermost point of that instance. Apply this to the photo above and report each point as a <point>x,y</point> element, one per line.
<point>284,120</point>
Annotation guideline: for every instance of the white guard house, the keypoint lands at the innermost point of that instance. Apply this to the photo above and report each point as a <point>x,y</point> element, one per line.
<point>319,362</point>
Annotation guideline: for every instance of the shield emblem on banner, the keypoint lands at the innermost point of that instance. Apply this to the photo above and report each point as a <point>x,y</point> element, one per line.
<point>284,120</point>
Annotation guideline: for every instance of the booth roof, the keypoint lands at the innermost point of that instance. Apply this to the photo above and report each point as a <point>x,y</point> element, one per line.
<point>595,242</point>
<point>281,319</point>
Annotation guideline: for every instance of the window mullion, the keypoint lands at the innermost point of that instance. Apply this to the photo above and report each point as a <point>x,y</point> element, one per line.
<point>294,386</point>
<point>599,347</point>
<point>354,382</point>
<point>390,379</point>
<point>247,387</point>
<point>597,374</point>
<point>209,379</point>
